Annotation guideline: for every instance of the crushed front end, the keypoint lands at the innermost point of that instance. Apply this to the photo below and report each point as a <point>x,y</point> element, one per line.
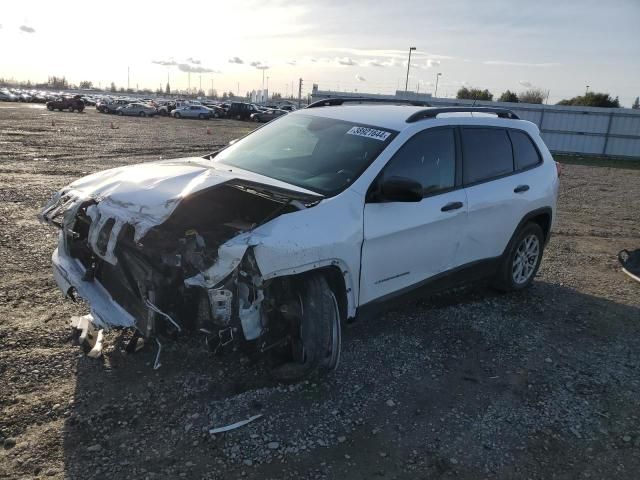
<point>191,268</point>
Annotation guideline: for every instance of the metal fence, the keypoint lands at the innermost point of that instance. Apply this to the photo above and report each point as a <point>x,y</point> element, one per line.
<point>611,132</point>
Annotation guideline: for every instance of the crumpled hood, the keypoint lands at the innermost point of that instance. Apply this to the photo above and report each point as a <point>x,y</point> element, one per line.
<point>145,195</point>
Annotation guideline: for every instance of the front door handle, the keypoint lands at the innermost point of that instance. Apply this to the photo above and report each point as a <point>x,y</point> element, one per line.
<point>451,206</point>
<point>521,188</point>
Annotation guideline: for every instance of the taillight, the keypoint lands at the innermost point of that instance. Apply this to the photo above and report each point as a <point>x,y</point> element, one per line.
<point>559,168</point>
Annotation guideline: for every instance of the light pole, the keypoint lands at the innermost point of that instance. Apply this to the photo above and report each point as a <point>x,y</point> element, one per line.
<point>587,91</point>
<point>267,88</point>
<point>435,94</point>
<point>406,83</point>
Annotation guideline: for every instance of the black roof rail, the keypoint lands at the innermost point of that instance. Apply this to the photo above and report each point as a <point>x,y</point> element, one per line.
<point>434,112</point>
<point>332,102</point>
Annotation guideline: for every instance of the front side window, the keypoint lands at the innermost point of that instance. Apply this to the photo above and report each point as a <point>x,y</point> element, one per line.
<point>486,154</point>
<point>524,152</point>
<point>320,154</point>
<point>428,157</point>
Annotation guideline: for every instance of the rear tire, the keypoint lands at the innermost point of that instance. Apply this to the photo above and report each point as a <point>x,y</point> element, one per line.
<point>522,260</point>
<point>142,114</point>
<point>318,342</point>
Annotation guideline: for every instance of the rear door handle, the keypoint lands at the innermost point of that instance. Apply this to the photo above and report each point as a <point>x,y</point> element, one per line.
<point>451,206</point>
<point>521,188</point>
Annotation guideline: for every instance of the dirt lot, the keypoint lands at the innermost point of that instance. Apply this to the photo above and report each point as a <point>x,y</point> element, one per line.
<point>542,384</point>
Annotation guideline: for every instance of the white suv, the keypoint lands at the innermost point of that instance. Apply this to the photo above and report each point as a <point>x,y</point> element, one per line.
<point>313,219</point>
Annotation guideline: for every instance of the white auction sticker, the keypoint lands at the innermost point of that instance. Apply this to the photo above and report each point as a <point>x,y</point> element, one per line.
<point>369,133</point>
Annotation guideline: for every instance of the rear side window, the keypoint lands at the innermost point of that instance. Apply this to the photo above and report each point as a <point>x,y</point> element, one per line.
<point>428,157</point>
<point>524,151</point>
<point>486,153</point>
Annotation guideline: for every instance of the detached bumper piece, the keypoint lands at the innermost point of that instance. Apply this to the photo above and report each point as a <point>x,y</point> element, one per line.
<point>87,336</point>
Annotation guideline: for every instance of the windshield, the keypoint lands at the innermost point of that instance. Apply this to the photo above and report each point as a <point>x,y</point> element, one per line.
<point>320,154</point>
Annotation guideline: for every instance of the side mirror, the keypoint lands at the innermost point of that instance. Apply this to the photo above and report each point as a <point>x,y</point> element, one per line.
<point>233,141</point>
<point>400,189</point>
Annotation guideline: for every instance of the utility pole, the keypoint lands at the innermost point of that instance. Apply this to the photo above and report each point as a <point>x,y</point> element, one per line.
<point>127,77</point>
<point>299,93</point>
<point>189,82</point>
<point>406,84</point>
<point>200,88</point>
<point>435,94</point>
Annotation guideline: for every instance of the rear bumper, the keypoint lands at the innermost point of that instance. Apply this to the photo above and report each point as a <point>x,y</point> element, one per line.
<point>69,273</point>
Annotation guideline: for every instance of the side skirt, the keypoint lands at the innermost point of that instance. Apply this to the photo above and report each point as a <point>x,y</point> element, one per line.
<point>465,274</point>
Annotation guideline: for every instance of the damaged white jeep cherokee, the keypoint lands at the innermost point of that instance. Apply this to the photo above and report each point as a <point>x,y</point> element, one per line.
<point>307,222</point>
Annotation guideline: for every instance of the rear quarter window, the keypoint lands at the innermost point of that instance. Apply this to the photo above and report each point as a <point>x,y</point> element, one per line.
<point>486,154</point>
<point>524,151</point>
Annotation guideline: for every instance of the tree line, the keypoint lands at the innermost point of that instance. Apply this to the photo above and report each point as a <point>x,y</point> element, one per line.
<point>536,95</point>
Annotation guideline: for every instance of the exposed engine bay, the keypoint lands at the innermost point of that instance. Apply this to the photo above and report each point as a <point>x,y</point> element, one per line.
<point>193,271</point>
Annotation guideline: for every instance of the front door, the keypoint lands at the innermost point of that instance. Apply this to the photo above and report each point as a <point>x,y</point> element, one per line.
<point>406,243</point>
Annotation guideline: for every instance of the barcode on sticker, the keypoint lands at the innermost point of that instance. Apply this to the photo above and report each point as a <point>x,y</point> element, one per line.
<point>369,133</point>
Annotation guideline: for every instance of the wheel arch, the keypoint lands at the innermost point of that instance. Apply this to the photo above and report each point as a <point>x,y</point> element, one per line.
<point>338,277</point>
<point>542,216</point>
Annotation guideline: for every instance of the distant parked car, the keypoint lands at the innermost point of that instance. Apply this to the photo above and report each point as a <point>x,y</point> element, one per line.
<point>192,111</point>
<point>267,115</point>
<point>137,110</point>
<point>8,97</point>
<point>166,109</point>
<point>241,110</point>
<point>111,107</point>
<point>64,103</point>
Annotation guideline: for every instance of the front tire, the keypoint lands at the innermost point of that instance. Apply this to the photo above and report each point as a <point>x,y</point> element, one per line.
<point>177,115</point>
<point>316,338</point>
<point>521,263</point>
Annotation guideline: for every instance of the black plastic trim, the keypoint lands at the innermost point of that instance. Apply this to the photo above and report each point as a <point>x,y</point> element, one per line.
<point>435,111</point>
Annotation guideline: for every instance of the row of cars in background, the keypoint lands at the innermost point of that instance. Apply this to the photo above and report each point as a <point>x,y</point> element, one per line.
<point>193,109</point>
<point>148,107</point>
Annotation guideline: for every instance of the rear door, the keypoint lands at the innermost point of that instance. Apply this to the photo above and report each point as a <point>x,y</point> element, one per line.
<point>498,190</point>
<point>406,243</point>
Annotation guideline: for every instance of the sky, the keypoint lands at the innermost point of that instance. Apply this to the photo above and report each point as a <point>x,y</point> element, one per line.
<point>347,45</point>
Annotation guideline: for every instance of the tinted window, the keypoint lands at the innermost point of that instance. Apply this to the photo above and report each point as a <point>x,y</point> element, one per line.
<point>428,157</point>
<point>486,153</point>
<point>524,151</point>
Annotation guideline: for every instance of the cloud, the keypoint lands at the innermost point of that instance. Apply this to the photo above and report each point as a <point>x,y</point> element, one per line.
<point>433,63</point>
<point>394,62</point>
<point>526,84</point>
<point>292,62</point>
<point>259,65</point>
<point>360,78</point>
<point>195,61</point>
<point>166,63</point>
<point>185,67</point>
<point>27,29</point>
<point>386,53</point>
<point>236,60</point>
<point>350,62</point>
<point>504,63</point>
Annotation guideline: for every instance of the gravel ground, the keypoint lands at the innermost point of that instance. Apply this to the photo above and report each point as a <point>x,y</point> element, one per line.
<point>471,384</point>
